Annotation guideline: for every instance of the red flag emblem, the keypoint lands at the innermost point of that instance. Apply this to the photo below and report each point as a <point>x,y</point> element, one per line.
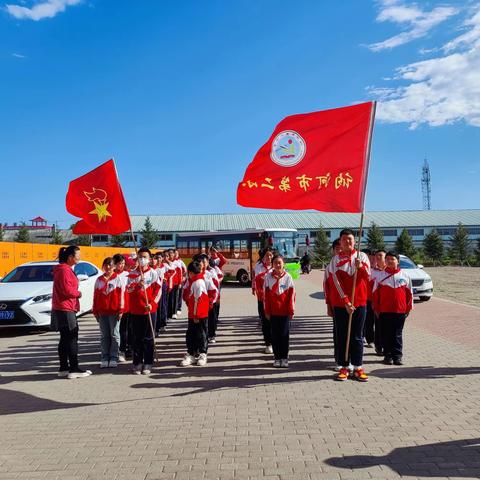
<point>97,198</point>
<point>313,161</point>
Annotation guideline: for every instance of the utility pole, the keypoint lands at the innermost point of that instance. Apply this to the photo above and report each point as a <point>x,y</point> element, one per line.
<point>426,186</point>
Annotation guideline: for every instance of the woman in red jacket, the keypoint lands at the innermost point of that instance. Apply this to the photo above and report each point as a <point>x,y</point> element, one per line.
<point>65,305</point>
<point>108,306</point>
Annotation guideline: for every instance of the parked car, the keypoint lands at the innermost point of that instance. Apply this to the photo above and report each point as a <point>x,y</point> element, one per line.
<point>421,282</point>
<point>26,293</point>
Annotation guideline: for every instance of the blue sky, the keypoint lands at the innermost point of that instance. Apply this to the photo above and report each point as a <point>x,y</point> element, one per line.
<point>183,93</point>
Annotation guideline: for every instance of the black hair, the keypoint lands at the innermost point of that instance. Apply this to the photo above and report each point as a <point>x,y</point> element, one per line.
<point>118,258</point>
<point>202,257</point>
<point>347,231</point>
<point>144,250</point>
<point>211,262</point>
<point>108,261</point>
<point>194,267</point>
<point>170,250</point>
<point>158,254</point>
<point>278,255</point>
<point>393,254</point>
<point>265,251</point>
<point>367,251</point>
<point>65,252</point>
<point>381,250</point>
<point>335,243</point>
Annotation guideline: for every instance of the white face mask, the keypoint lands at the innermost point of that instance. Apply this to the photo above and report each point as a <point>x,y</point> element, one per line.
<point>143,261</point>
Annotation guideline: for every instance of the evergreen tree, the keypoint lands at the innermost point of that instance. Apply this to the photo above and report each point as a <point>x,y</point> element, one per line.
<point>433,246</point>
<point>1,232</point>
<point>149,235</point>
<point>404,244</point>
<point>57,238</point>
<point>460,245</point>
<point>22,236</point>
<point>321,248</point>
<point>477,252</point>
<point>118,240</point>
<point>375,240</point>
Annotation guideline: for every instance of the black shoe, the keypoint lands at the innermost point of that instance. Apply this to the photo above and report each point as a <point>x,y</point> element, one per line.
<point>398,361</point>
<point>379,353</point>
<point>388,361</point>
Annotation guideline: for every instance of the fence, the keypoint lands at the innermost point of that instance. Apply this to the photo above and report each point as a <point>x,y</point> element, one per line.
<point>13,254</point>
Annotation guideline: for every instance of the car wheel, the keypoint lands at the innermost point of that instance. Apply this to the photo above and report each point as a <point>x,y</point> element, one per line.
<point>425,299</point>
<point>243,278</point>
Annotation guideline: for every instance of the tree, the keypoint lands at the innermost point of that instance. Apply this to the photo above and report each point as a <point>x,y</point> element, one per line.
<point>433,246</point>
<point>321,248</point>
<point>82,241</point>
<point>118,240</point>
<point>375,240</point>
<point>22,236</point>
<point>149,235</point>
<point>404,244</point>
<point>57,238</point>
<point>477,252</point>
<point>460,245</point>
<point>1,232</point>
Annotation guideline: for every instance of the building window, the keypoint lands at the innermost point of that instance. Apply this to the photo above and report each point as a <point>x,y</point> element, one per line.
<point>165,237</point>
<point>473,230</point>
<point>99,238</point>
<point>446,231</point>
<point>392,232</point>
<point>313,234</point>
<point>416,232</point>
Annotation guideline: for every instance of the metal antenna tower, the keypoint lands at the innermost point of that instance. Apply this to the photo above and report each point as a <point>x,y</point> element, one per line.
<point>426,187</point>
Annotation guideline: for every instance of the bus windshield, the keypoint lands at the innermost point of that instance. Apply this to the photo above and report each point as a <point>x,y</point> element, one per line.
<point>285,243</point>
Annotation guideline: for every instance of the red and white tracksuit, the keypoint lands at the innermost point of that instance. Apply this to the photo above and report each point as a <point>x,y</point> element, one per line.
<point>279,295</point>
<point>109,296</point>
<point>259,272</point>
<point>197,298</point>
<point>392,292</point>
<point>136,292</point>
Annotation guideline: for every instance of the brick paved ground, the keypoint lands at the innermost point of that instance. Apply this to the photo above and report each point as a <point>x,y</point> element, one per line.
<point>238,418</point>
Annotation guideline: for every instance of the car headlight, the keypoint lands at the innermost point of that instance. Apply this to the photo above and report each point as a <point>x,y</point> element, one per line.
<point>42,298</point>
<point>428,278</point>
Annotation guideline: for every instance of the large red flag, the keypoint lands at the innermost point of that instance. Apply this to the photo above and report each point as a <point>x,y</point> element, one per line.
<point>97,198</point>
<point>313,161</point>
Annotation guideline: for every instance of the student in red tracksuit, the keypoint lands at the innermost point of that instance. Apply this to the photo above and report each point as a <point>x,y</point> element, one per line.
<point>195,295</point>
<point>262,267</point>
<point>393,301</point>
<point>144,292</point>
<point>342,268</point>
<point>279,303</point>
<point>125,337</point>
<point>173,283</point>
<point>377,270</point>
<point>108,306</point>
<point>182,274</point>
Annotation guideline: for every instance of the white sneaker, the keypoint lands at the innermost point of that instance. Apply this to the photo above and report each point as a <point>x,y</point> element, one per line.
<point>284,363</point>
<point>268,349</point>
<point>179,312</point>
<point>162,329</point>
<point>337,368</point>
<point>212,340</point>
<point>63,374</point>
<point>147,370</point>
<point>79,374</point>
<point>202,360</point>
<point>174,316</point>
<point>277,363</point>
<point>104,364</point>
<point>188,360</point>
<point>137,369</point>
<point>121,358</point>
<point>113,364</point>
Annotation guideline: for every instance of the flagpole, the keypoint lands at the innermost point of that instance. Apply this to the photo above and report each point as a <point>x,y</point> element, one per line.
<point>359,243</point>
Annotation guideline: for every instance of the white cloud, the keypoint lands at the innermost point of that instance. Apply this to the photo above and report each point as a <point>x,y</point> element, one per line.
<point>39,11</point>
<point>18,55</point>
<point>441,90</point>
<point>419,22</point>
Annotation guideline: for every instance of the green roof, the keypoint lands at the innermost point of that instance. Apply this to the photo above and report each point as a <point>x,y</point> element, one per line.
<point>306,220</point>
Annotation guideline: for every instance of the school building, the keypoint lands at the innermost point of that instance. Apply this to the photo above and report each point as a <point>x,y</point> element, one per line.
<point>418,223</point>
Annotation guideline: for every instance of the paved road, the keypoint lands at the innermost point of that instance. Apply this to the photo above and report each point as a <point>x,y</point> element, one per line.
<point>238,418</point>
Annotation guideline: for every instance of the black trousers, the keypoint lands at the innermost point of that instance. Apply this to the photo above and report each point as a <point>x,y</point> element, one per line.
<point>355,352</point>
<point>162,309</point>
<point>378,335</point>
<point>142,340</point>
<point>369,328</point>
<point>68,349</point>
<point>179,297</point>
<point>392,334</point>
<point>335,340</point>
<point>172,301</point>
<point>212,322</point>
<point>125,334</point>
<point>196,336</point>
<point>266,325</point>
<point>280,336</point>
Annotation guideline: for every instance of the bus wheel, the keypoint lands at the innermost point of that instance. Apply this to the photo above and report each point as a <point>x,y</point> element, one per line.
<point>243,278</point>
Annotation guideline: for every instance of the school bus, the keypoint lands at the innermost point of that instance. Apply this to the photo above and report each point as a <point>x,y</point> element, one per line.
<point>241,249</point>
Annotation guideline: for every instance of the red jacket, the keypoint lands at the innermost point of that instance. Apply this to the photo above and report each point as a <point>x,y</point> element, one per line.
<point>219,259</point>
<point>124,277</point>
<point>65,289</point>
<point>109,296</point>
<point>137,294</point>
<point>392,292</point>
<point>170,272</point>
<point>196,293</point>
<point>259,272</point>
<point>279,294</point>
<point>342,270</point>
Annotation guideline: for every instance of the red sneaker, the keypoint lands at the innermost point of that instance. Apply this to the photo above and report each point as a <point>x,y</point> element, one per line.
<point>360,375</point>
<point>342,375</point>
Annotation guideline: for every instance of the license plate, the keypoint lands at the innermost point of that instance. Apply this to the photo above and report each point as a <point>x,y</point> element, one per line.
<point>414,290</point>
<point>7,315</point>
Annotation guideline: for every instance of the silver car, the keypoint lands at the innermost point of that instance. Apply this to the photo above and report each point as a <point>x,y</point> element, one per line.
<point>421,281</point>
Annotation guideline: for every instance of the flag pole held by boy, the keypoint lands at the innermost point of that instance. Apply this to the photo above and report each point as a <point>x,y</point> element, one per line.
<point>316,161</point>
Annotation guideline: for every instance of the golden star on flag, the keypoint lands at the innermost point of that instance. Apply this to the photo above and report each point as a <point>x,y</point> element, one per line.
<point>101,211</point>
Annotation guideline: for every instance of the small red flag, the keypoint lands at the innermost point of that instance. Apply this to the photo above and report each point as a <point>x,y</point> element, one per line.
<point>313,161</point>
<point>97,198</point>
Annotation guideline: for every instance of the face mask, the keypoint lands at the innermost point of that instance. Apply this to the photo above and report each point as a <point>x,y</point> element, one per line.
<point>143,262</point>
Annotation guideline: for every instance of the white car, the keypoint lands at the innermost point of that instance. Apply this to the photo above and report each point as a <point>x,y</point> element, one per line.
<point>26,293</point>
<point>421,282</point>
